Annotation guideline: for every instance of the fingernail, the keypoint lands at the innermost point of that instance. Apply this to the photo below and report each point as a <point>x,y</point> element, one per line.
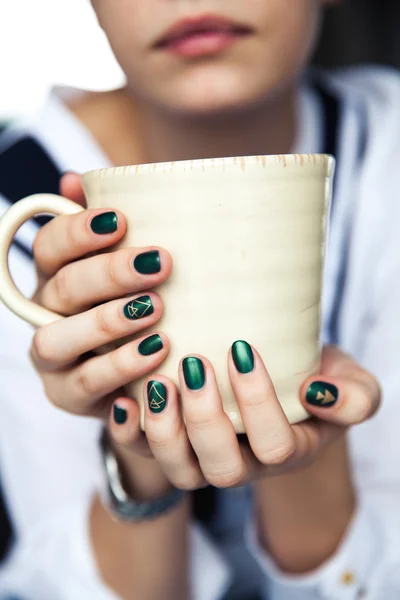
<point>150,345</point>
<point>193,372</point>
<point>148,263</point>
<point>139,308</point>
<point>243,357</point>
<point>105,223</point>
<point>157,396</point>
<point>322,394</point>
<point>120,415</point>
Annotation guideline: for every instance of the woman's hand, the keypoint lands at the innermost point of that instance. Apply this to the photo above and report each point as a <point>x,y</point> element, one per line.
<point>199,445</point>
<point>103,298</point>
<point>193,442</point>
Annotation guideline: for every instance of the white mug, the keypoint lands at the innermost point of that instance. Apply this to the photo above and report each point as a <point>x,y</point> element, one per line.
<point>247,237</point>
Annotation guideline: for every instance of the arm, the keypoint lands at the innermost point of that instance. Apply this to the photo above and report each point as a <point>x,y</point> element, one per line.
<point>68,546</point>
<point>302,517</point>
<point>311,536</point>
<point>50,489</point>
<point>135,559</point>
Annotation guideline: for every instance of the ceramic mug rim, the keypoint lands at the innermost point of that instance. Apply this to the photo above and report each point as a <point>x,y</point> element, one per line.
<point>326,161</point>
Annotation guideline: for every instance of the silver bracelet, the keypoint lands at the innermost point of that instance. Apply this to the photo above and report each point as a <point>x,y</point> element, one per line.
<point>118,502</point>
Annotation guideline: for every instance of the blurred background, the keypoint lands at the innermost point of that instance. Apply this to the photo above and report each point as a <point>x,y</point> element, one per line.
<point>43,42</point>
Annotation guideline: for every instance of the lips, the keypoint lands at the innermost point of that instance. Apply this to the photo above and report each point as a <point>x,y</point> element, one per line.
<point>204,35</point>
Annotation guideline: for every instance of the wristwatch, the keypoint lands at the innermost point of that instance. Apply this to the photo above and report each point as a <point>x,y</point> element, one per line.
<point>118,502</point>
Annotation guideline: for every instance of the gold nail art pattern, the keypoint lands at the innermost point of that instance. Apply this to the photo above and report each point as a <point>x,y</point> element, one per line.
<point>325,398</point>
<point>157,396</point>
<point>322,394</point>
<point>139,308</point>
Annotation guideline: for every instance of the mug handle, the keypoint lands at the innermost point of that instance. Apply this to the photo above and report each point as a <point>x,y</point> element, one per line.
<point>10,222</point>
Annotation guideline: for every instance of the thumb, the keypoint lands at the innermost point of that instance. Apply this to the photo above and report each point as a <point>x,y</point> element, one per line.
<point>71,188</point>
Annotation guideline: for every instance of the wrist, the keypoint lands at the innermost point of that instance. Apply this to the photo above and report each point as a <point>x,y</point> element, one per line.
<point>143,500</point>
<point>302,517</point>
<point>142,476</point>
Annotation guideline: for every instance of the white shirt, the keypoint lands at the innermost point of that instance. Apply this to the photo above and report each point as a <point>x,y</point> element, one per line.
<point>49,460</point>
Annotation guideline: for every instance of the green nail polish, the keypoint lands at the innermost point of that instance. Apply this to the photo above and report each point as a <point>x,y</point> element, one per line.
<point>157,396</point>
<point>193,372</point>
<point>150,345</point>
<point>243,357</point>
<point>105,223</point>
<point>139,308</point>
<point>322,394</point>
<point>120,415</point>
<point>148,263</point>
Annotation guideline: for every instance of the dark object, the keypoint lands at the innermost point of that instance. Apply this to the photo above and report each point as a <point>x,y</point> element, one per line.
<point>193,372</point>
<point>243,357</point>
<point>148,263</point>
<point>6,532</point>
<point>360,32</point>
<point>139,308</point>
<point>157,396</point>
<point>25,169</point>
<point>322,394</point>
<point>150,345</point>
<point>120,415</point>
<point>105,223</point>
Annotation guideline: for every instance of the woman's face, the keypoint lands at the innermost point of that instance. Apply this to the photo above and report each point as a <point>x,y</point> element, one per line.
<point>203,56</point>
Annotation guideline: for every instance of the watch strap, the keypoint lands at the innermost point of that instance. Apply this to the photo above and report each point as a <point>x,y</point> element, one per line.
<point>121,506</point>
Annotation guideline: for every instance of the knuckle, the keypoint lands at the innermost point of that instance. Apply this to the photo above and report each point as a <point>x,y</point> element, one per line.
<point>41,349</point>
<point>123,362</point>
<point>256,402</point>
<point>201,418</point>
<point>72,232</point>
<point>111,269</point>
<point>62,285</point>
<point>87,386</point>
<point>104,320</point>
<point>158,440</point>
<point>161,435</point>
<point>127,438</point>
<point>277,456</point>
<point>228,479</point>
<point>188,482</point>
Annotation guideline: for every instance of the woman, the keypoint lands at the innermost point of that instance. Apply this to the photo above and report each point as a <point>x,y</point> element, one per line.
<point>204,79</point>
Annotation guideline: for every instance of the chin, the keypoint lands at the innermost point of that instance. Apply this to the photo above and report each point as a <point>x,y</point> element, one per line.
<point>203,93</point>
<point>216,106</point>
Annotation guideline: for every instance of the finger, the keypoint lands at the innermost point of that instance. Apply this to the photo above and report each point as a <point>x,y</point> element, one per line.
<point>81,284</point>
<point>82,389</point>
<point>62,342</point>
<point>310,438</point>
<point>167,435</point>
<point>71,187</point>
<point>340,400</point>
<point>124,426</point>
<point>209,428</point>
<point>269,433</point>
<point>68,237</point>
